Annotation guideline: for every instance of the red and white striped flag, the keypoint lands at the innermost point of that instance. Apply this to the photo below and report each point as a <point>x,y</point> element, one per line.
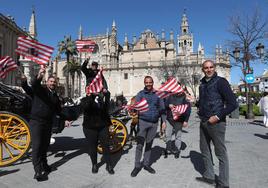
<point>6,64</point>
<point>170,87</point>
<point>96,85</point>
<point>177,111</point>
<point>85,45</point>
<point>141,106</point>
<point>34,50</point>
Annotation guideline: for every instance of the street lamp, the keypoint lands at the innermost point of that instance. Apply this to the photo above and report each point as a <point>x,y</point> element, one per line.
<point>246,71</point>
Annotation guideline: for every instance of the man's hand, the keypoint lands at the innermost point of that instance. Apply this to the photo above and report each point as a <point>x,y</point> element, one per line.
<point>171,106</point>
<point>68,123</point>
<point>185,124</point>
<point>213,120</point>
<point>41,72</point>
<point>23,77</point>
<point>104,90</point>
<point>164,126</point>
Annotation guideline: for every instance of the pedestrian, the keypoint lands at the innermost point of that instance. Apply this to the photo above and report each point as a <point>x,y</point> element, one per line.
<point>147,127</point>
<point>45,106</point>
<point>216,101</point>
<point>263,105</point>
<point>174,125</point>
<point>96,120</point>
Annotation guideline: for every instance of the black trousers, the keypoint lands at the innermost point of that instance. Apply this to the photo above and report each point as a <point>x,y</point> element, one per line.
<point>41,134</point>
<point>93,136</point>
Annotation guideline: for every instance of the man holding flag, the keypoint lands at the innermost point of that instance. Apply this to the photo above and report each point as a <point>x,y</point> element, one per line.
<point>96,117</point>
<point>148,122</point>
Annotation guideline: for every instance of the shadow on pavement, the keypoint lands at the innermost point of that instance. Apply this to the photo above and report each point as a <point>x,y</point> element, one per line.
<point>257,122</point>
<point>6,172</point>
<point>80,145</point>
<point>156,154</point>
<point>197,161</point>
<point>261,136</point>
<point>63,144</point>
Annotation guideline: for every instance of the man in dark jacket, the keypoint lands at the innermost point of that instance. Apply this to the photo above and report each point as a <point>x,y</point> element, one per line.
<point>148,122</point>
<point>216,101</point>
<point>91,73</point>
<point>45,106</point>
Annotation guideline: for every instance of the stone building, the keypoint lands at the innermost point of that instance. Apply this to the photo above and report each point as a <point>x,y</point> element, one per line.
<point>9,32</point>
<point>150,54</point>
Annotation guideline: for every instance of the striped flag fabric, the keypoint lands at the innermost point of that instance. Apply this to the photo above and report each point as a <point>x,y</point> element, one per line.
<point>141,106</point>
<point>96,85</point>
<point>85,45</point>
<point>177,111</point>
<point>170,87</point>
<point>34,50</point>
<point>7,64</point>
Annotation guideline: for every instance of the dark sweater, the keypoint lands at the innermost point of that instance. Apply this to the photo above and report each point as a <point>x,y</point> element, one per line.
<point>226,93</point>
<point>45,103</point>
<point>177,100</point>
<point>95,113</point>
<point>91,74</point>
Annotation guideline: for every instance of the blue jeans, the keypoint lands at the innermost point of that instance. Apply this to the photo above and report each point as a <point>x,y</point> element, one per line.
<point>216,134</point>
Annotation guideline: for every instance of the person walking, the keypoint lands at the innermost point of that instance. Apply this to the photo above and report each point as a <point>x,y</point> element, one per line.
<point>216,101</point>
<point>45,106</point>
<point>147,126</point>
<point>175,125</point>
<point>263,104</point>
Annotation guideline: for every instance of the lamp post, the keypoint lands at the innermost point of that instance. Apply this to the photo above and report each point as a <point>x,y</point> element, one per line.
<point>247,70</point>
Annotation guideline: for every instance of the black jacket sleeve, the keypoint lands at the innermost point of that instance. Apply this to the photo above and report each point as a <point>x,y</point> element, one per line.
<point>28,90</point>
<point>228,98</point>
<point>84,68</point>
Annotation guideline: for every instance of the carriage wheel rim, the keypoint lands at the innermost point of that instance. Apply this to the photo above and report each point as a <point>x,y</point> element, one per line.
<point>15,138</point>
<point>118,136</point>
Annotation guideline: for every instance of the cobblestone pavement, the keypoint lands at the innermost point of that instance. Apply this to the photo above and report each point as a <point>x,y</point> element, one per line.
<point>247,144</point>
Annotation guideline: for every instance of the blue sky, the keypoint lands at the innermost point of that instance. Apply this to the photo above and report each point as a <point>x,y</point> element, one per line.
<point>208,19</point>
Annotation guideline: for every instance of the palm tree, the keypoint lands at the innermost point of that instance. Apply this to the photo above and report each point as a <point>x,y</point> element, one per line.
<point>67,47</point>
<point>73,68</point>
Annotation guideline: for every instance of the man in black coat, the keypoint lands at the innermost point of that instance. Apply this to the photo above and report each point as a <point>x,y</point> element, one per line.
<point>45,106</point>
<point>216,101</point>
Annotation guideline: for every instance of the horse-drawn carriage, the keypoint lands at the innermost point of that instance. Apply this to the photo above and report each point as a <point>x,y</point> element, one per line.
<point>15,136</point>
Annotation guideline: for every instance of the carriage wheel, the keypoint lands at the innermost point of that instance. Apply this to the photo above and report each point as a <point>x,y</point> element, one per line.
<point>118,136</point>
<point>15,138</point>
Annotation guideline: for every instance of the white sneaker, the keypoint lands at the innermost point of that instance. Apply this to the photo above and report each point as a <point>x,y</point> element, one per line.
<point>52,140</point>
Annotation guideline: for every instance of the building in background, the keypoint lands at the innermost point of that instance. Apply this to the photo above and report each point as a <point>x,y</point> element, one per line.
<point>151,54</point>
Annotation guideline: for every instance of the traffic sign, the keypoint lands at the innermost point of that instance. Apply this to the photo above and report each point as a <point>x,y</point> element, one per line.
<point>249,78</point>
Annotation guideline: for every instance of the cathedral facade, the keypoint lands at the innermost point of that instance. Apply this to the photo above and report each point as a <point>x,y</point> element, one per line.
<point>126,65</point>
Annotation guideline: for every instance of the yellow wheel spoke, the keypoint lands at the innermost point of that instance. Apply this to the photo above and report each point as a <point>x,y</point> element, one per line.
<point>15,146</point>
<point>8,150</point>
<point>16,140</point>
<point>18,134</point>
<point>9,122</point>
<point>119,136</point>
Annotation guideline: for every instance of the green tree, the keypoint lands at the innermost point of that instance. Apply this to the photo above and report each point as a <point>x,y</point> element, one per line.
<point>73,67</point>
<point>67,47</point>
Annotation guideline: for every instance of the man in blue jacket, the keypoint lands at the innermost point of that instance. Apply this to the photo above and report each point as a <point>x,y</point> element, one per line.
<point>216,101</point>
<point>148,122</point>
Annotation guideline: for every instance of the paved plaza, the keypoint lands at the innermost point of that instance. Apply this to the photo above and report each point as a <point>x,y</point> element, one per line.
<point>247,144</point>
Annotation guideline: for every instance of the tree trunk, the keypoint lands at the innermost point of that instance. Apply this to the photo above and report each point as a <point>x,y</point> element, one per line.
<point>67,76</point>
